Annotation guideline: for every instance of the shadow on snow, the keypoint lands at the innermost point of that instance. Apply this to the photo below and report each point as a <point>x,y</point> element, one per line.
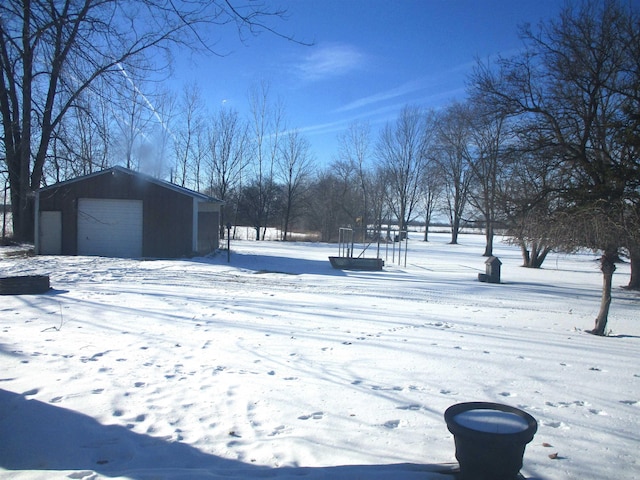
<point>39,436</point>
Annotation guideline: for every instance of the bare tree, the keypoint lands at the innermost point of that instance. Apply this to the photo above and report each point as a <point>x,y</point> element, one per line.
<point>629,136</point>
<point>526,202</point>
<point>81,143</point>
<point>401,150</point>
<point>267,128</point>
<point>489,135</point>
<point>188,144</point>
<point>52,52</point>
<point>453,156</point>
<point>228,152</point>
<point>325,212</point>
<point>348,191</point>
<point>431,194</point>
<point>294,172</point>
<point>573,85</point>
<point>355,151</point>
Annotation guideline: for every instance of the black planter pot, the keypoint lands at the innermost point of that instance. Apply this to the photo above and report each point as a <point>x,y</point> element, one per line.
<point>490,439</point>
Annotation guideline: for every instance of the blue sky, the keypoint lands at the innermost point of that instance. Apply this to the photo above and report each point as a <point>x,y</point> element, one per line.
<point>369,58</point>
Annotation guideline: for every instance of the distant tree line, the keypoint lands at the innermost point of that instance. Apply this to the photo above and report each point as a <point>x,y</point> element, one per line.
<point>545,147</point>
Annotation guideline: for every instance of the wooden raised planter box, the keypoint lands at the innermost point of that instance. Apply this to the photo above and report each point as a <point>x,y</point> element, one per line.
<point>353,263</point>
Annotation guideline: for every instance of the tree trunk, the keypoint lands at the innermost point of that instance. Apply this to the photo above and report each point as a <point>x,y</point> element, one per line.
<point>538,256</point>
<point>285,233</point>
<point>488,249</point>
<point>22,225</point>
<point>607,266</point>
<point>526,256</point>
<point>634,258</point>
<point>455,229</point>
<point>535,257</point>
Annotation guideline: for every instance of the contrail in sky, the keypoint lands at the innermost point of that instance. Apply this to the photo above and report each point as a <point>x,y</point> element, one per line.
<point>146,101</point>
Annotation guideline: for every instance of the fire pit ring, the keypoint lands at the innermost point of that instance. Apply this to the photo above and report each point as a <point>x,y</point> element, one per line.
<point>24,285</point>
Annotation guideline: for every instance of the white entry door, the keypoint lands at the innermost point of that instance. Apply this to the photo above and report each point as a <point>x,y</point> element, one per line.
<point>109,227</point>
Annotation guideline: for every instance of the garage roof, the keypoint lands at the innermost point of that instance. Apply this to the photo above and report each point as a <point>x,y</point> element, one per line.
<point>171,186</point>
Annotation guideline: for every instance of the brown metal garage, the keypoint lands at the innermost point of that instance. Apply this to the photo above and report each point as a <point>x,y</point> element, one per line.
<point>122,213</point>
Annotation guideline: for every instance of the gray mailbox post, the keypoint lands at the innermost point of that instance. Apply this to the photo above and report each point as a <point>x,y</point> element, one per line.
<point>492,266</point>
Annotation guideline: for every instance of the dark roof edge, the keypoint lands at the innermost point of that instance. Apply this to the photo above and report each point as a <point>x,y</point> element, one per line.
<point>143,176</point>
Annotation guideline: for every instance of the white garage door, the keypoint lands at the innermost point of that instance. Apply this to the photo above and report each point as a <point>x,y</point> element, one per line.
<point>110,228</point>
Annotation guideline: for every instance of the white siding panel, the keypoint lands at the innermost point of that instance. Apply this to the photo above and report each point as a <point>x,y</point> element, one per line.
<point>109,227</point>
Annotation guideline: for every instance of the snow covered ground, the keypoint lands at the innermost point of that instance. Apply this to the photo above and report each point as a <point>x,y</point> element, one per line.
<point>277,366</point>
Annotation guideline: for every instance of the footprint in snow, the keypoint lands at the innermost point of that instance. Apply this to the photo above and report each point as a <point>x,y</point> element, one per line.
<point>395,389</point>
<point>278,430</point>
<point>630,402</point>
<point>314,416</point>
<point>553,424</point>
<point>392,424</point>
<point>93,358</point>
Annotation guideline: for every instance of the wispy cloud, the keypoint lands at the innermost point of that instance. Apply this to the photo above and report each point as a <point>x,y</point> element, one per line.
<point>330,60</point>
<point>420,90</point>
<point>377,112</point>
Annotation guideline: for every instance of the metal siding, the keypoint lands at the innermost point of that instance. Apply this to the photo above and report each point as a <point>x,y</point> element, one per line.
<point>110,227</point>
<point>194,226</point>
